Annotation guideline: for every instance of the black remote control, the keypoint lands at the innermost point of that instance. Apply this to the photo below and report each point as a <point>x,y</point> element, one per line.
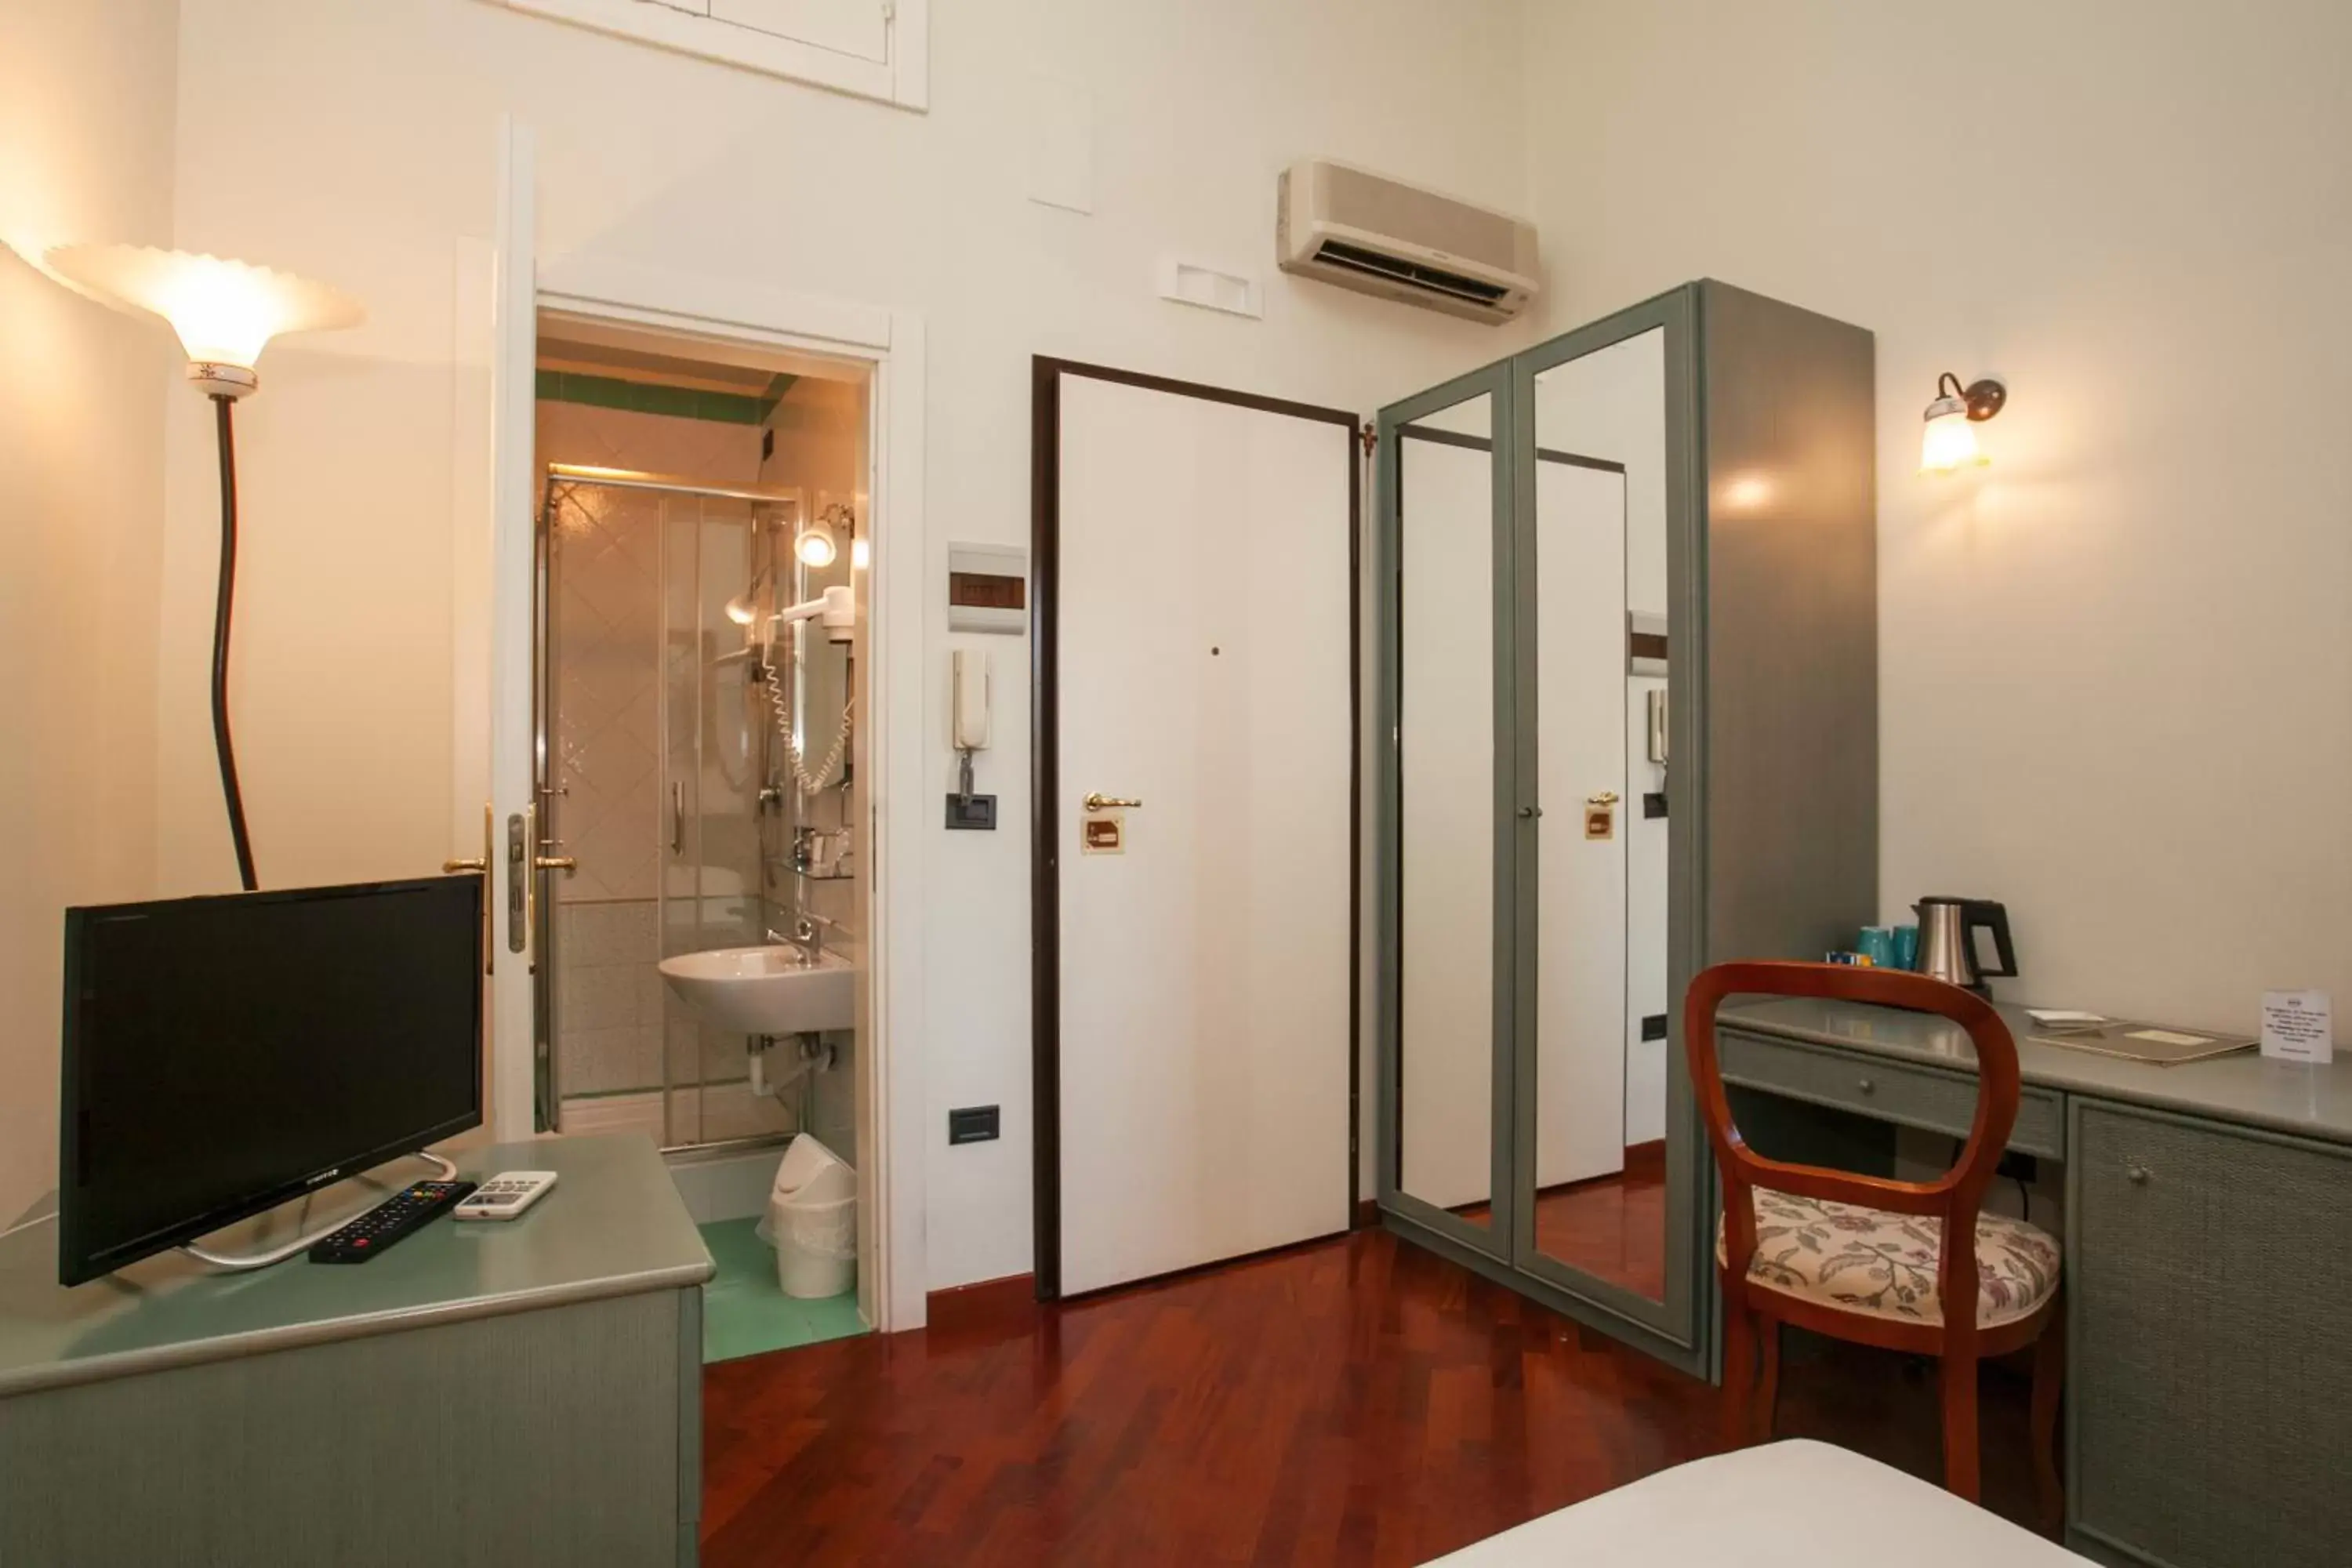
<point>390,1220</point>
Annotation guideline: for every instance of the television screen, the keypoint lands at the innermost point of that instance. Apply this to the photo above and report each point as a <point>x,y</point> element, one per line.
<point>224,1055</point>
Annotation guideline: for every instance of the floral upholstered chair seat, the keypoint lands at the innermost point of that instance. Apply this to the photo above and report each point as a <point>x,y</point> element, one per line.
<point>1871,1261</point>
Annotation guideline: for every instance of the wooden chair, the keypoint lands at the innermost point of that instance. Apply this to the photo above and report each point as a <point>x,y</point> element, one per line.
<point>1860,1257</point>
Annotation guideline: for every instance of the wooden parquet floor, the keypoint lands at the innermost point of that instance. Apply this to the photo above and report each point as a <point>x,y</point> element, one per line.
<point>1354,1402</point>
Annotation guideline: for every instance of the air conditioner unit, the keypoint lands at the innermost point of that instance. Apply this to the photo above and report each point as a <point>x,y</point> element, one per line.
<point>1378,235</point>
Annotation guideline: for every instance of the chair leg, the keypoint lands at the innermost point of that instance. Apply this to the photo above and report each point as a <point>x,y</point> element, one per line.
<point>1961,1457</point>
<point>1739,1368</point>
<point>1768,1391</point>
<point>2049,1382</point>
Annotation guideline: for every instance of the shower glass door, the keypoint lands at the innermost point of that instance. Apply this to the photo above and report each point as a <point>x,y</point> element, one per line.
<point>654,756</point>
<point>710,852</point>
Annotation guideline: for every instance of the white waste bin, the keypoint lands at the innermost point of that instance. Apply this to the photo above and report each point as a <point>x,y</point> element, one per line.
<point>812,1222</point>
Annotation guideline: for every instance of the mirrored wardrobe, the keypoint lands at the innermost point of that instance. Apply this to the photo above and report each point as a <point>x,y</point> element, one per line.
<point>1627,586</point>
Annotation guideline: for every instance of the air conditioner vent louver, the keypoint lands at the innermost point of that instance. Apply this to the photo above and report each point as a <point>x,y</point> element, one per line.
<point>1377,235</point>
<point>1361,260</point>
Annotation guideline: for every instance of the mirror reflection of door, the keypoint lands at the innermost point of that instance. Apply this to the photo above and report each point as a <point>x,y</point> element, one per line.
<point>1600,880</point>
<point>1446,782</point>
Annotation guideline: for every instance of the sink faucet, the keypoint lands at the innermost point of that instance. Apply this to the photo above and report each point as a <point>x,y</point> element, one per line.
<point>804,935</point>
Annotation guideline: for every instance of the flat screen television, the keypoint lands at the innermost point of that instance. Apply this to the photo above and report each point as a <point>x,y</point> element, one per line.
<point>224,1055</point>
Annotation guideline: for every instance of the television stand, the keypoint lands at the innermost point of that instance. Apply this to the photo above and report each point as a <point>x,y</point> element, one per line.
<point>238,1262</point>
<point>141,1417</point>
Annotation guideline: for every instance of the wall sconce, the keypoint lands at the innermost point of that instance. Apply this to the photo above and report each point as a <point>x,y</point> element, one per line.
<point>224,312</point>
<point>815,546</point>
<point>1950,441</point>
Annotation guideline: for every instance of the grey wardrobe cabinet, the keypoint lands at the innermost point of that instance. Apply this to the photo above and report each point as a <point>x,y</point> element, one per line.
<point>2209,1343</point>
<point>1626,726</point>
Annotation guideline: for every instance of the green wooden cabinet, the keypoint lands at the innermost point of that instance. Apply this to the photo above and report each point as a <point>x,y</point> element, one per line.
<point>2209,1272</point>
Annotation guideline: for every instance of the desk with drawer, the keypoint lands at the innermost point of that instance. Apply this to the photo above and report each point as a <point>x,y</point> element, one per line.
<point>2208,1231</point>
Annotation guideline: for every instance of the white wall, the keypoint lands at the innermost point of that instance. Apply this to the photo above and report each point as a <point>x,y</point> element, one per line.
<point>85,113</point>
<point>2116,667</point>
<point>354,141</point>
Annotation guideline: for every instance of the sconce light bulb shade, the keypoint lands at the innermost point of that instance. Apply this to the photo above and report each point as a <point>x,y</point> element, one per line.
<point>740,611</point>
<point>225,312</point>
<point>815,547</point>
<point>1950,441</point>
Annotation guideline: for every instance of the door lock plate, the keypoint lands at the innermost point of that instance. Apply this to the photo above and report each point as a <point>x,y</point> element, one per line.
<point>518,870</point>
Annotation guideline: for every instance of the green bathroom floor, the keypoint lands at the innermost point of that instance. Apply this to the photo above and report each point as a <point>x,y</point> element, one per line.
<point>743,1313</point>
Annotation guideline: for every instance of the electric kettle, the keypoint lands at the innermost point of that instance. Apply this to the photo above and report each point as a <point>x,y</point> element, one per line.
<point>1948,951</point>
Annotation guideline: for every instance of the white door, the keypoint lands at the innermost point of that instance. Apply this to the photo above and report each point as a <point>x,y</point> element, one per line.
<point>1580,881</point>
<point>514,498</point>
<point>1204,659</point>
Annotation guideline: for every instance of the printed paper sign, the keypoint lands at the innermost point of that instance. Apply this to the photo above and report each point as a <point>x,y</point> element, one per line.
<point>2296,1027</point>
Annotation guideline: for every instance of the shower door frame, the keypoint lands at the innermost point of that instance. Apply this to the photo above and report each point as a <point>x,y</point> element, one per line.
<point>495,635</point>
<point>547,1088</point>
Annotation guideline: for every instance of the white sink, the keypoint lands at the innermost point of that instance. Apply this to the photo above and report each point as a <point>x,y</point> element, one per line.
<point>766,990</point>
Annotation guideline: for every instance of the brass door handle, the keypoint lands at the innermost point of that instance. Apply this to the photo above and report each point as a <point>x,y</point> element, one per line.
<point>1111,803</point>
<point>1606,797</point>
<point>451,867</point>
<point>555,863</point>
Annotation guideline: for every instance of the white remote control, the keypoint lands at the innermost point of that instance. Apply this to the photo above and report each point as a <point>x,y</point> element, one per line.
<point>506,1194</point>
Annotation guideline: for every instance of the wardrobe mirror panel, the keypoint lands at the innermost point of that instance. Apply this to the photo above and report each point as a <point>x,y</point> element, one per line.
<point>1446,819</point>
<point>1600,943</point>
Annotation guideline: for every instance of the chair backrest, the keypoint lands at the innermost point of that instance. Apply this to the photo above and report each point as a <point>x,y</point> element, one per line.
<point>1955,1198</point>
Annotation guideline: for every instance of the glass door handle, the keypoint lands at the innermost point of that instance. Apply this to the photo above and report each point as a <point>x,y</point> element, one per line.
<point>677,817</point>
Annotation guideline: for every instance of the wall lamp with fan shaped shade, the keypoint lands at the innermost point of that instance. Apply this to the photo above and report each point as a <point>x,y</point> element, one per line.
<point>1950,443</point>
<point>225,313</point>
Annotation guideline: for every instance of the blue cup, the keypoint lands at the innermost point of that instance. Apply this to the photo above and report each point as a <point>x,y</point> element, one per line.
<point>1878,943</point>
<point>1906,947</point>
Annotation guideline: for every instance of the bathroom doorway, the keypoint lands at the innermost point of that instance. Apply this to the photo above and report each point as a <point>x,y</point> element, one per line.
<point>698,921</point>
<point>696,747</point>
<point>581,294</point>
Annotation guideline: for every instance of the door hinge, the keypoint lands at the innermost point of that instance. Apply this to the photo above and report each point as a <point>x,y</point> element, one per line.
<point>1371,438</point>
<point>889,10</point>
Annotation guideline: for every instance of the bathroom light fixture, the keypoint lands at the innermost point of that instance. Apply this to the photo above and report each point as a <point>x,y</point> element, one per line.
<point>225,313</point>
<point>815,546</point>
<point>1950,442</point>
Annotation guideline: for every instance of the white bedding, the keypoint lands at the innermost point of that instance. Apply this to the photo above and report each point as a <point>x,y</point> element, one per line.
<point>1796,1504</point>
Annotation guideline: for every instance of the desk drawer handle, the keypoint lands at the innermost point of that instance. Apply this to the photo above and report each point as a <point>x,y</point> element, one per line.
<point>2137,1175</point>
<point>1866,1086</point>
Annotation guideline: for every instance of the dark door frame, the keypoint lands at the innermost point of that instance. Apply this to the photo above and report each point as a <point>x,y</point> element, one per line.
<point>1045,770</point>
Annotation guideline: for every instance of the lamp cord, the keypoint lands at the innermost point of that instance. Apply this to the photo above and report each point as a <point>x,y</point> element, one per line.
<point>223,743</point>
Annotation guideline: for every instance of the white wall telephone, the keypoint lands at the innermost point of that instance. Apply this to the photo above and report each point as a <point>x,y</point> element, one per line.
<point>967,707</point>
<point>970,705</point>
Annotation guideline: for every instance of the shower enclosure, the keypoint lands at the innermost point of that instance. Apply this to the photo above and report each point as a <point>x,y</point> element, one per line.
<point>673,818</point>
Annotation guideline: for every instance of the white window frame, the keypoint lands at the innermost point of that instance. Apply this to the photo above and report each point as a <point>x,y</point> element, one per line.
<point>903,79</point>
